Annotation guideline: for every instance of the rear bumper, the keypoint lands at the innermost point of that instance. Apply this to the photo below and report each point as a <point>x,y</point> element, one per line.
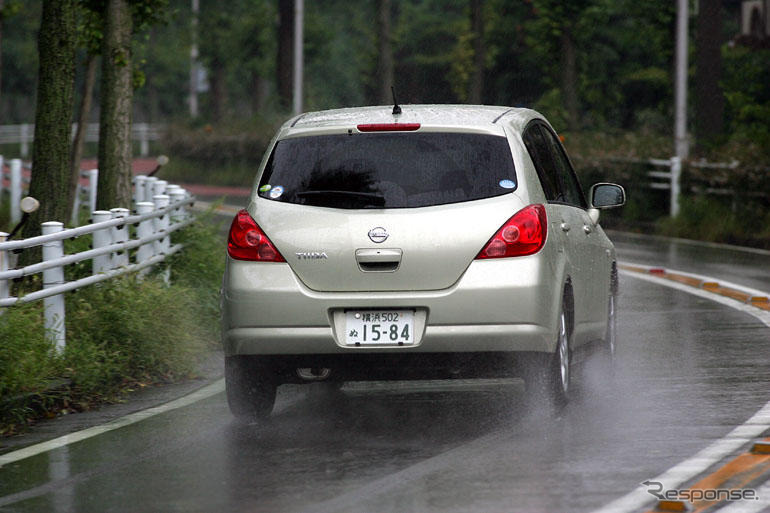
<point>395,366</point>
<point>497,305</point>
<point>453,338</point>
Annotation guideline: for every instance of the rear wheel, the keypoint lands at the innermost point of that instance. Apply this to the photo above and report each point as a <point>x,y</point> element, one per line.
<point>549,379</point>
<point>250,386</point>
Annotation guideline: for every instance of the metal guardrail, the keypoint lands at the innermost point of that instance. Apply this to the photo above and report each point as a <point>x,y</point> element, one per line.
<point>111,253</point>
<point>24,134</point>
<point>693,174</point>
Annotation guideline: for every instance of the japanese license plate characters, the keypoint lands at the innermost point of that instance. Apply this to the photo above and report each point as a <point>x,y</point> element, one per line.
<point>379,327</point>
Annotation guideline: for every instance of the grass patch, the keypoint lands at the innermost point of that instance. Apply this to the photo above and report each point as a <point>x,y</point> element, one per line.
<point>712,220</point>
<point>26,365</point>
<point>121,334</point>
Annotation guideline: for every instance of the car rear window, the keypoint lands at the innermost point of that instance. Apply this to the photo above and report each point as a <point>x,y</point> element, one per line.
<point>388,170</point>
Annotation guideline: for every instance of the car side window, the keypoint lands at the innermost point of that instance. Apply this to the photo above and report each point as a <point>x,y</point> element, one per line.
<point>572,193</point>
<point>539,152</point>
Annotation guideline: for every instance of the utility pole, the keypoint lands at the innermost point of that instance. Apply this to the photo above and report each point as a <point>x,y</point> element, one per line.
<point>299,11</point>
<point>193,98</point>
<point>680,93</point>
<point>681,144</point>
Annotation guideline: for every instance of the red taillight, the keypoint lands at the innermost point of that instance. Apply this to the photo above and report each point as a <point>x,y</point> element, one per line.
<point>388,127</point>
<point>248,242</point>
<point>523,234</point>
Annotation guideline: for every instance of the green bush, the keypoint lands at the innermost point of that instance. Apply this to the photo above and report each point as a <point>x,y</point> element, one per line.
<point>714,220</point>
<point>744,82</point>
<point>225,154</point>
<point>26,358</point>
<point>199,268</point>
<point>121,333</point>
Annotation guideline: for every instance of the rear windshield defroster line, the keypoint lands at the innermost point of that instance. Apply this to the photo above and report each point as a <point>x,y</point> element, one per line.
<point>388,170</point>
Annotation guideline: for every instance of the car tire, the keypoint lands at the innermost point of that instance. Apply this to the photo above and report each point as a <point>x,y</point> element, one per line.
<point>548,381</point>
<point>250,386</point>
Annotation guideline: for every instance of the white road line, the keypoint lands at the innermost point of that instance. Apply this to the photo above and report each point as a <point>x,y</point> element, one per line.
<point>722,283</point>
<point>742,435</point>
<point>199,395</point>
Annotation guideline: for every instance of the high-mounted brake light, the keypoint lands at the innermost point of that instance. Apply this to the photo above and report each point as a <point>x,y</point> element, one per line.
<point>523,234</point>
<point>388,127</point>
<point>247,241</point>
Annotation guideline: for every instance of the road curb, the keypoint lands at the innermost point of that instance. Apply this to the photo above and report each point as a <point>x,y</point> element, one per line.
<point>739,454</point>
<point>749,296</point>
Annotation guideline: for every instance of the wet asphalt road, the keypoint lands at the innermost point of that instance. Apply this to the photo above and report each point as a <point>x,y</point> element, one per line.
<point>688,371</point>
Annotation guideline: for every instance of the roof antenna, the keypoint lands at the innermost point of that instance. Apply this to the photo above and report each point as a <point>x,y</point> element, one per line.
<point>396,108</point>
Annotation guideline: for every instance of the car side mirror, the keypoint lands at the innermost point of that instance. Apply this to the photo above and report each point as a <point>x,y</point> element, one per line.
<point>607,195</point>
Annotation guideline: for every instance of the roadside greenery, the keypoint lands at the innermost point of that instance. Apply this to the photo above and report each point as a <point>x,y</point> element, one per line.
<point>712,220</point>
<point>726,205</point>
<point>122,334</point>
<point>223,154</point>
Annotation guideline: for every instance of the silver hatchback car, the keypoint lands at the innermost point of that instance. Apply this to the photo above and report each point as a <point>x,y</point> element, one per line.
<point>436,242</point>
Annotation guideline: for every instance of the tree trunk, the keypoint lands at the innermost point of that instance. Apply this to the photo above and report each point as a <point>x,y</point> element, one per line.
<point>80,132</point>
<point>569,78</point>
<point>479,52</point>
<point>114,189</point>
<point>1,51</point>
<point>285,58</point>
<point>385,53</point>
<point>51,152</point>
<point>709,100</point>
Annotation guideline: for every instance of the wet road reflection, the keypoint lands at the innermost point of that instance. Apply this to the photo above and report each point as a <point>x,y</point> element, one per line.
<point>688,371</point>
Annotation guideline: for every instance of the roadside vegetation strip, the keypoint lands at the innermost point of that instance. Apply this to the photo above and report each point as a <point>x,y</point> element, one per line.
<point>203,393</point>
<point>122,335</point>
<point>740,438</point>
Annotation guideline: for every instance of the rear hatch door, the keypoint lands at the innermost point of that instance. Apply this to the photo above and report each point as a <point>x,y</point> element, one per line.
<point>385,211</point>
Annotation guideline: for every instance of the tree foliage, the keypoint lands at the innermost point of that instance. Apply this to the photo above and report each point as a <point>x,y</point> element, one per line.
<point>588,64</point>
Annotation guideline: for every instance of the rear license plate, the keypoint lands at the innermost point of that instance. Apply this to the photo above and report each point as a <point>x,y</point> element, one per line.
<point>379,327</point>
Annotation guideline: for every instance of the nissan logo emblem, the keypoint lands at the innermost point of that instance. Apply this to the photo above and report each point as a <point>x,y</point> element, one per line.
<point>378,234</point>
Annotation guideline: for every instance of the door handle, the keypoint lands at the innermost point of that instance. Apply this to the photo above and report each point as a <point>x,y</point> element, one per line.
<point>378,260</point>
<point>564,227</point>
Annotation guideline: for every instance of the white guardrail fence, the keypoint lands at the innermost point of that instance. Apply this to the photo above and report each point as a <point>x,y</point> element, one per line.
<point>671,179</point>
<point>160,209</point>
<point>24,134</point>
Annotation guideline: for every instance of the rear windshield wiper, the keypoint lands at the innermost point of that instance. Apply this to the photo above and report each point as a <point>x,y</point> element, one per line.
<point>374,199</point>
